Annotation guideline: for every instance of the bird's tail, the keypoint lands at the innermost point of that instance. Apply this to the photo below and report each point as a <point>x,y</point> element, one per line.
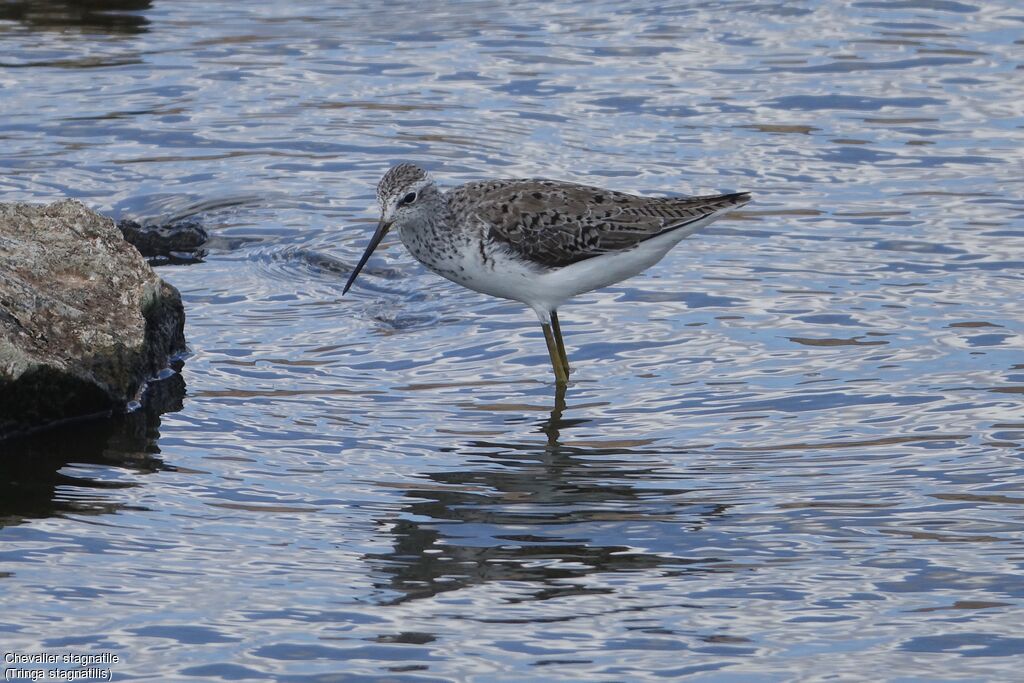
<point>696,212</point>
<point>718,202</point>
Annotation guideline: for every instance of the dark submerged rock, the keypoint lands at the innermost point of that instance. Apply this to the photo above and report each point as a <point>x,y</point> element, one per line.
<point>84,320</point>
<point>179,242</point>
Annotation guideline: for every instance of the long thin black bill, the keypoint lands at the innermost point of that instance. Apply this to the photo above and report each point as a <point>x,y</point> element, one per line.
<point>382,229</point>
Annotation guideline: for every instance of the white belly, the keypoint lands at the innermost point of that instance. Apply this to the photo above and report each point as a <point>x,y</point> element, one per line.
<point>494,271</point>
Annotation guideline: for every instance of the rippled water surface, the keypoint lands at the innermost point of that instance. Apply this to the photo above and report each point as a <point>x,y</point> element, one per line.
<point>791,450</point>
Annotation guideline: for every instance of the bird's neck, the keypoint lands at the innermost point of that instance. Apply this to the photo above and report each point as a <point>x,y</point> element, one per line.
<point>433,238</point>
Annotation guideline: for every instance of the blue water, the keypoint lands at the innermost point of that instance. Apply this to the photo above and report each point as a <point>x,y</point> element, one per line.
<point>791,451</point>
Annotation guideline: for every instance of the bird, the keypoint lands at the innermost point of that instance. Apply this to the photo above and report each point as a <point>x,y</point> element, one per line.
<point>536,241</point>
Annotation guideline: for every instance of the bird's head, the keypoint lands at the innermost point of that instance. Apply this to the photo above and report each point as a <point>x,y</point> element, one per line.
<point>406,195</point>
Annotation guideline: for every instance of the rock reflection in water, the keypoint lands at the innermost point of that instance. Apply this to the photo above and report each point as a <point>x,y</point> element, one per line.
<point>107,16</point>
<point>33,483</point>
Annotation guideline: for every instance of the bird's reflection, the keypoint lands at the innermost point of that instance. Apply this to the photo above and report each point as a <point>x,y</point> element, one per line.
<point>34,481</point>
<point>552,427</point>
<point>543,512</point>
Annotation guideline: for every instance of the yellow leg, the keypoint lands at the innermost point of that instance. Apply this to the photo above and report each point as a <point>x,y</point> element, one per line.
<point>556,329</point>
<point>556,360</point>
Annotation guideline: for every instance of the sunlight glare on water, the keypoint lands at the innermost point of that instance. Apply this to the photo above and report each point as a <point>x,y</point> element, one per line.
<point>790,450</point>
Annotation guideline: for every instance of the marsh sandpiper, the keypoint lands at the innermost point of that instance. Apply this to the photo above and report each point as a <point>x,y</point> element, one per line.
<point>540,242</point>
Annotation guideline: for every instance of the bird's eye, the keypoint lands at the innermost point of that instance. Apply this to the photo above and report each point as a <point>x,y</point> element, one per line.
<point>409,198</point>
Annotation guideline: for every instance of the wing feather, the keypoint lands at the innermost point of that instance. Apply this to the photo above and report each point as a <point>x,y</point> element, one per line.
<point>555,224</point>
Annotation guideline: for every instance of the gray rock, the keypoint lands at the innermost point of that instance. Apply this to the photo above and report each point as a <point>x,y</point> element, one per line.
<point>84,320</point>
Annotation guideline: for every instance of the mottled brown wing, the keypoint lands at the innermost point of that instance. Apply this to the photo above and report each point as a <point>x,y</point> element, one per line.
<point>556,223</point>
